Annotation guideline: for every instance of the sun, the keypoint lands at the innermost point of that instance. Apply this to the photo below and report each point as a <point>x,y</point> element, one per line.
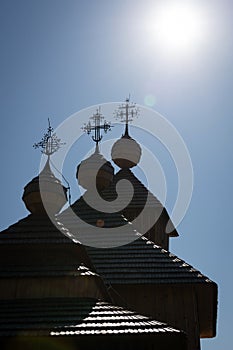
<point>177,26</point>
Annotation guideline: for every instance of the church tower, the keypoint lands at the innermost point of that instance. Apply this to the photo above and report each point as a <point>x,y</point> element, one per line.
<point>56,290</point>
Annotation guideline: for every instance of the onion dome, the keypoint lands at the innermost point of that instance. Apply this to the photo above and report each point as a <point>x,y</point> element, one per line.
<point>45,191</point>
<point>126,152</point>
<point>95,168</point>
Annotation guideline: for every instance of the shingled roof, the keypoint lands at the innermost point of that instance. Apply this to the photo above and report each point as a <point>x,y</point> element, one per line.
<point>136,262</point>
<point>118,217</point>
<point>34,229</point>
<point>73,316</point>
<point>141,193</point>
<point>141,196</point>
<point>45,270</point>
<point>141,261</point>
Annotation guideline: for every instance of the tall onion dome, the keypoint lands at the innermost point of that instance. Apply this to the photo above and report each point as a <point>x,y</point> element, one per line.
<point>45,193</point>
<point>126,152</point>
<point>95,169</point>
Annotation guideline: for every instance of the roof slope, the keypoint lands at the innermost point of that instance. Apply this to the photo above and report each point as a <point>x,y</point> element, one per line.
<point>73,316</point>
<point>140,262</point>
<point>141,197</point>
<point>81,220</point>
<point>45,270</point>
<point>34,229</point>
<point>141,193</point>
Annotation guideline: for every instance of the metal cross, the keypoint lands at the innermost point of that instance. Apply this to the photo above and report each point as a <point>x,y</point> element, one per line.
<point>126,112</point>
<point>50,143</point>
<point>95,125</point>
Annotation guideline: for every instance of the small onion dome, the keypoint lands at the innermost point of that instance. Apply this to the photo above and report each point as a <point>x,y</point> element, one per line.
<point>45,188</point>
<point>126,152</point>
<point>95,164</point>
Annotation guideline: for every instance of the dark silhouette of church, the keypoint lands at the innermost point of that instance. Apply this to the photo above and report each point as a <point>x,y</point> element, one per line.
<point>58,293</point>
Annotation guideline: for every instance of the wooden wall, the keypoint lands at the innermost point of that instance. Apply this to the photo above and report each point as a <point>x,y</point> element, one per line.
<point>172,304</point>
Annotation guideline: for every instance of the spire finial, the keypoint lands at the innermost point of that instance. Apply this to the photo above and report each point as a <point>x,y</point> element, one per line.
<point>96,126</point>
<point>49,143</point>
<point>126,112</point>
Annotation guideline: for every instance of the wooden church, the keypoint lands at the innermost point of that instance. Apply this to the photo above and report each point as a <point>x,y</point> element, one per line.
<point>123,290</point>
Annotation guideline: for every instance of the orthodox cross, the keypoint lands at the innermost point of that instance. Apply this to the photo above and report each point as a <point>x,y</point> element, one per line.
<point>126,112</point>
<point>49,143</point>
<point>95,125</point>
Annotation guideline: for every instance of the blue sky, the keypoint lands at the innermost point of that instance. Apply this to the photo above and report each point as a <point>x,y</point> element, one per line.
<point>59,56</point>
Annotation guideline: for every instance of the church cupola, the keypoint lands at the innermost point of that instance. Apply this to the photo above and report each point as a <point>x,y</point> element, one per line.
<point>96,167</point>
<point>126,152</point>
<point>144,209</point>
<point>45,190</point>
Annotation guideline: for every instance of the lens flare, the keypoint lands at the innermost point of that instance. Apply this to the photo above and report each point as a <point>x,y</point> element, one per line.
<point>149,100</point>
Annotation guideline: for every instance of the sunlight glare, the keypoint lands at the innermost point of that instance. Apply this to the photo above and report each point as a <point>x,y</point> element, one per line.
<point>177,26</point>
